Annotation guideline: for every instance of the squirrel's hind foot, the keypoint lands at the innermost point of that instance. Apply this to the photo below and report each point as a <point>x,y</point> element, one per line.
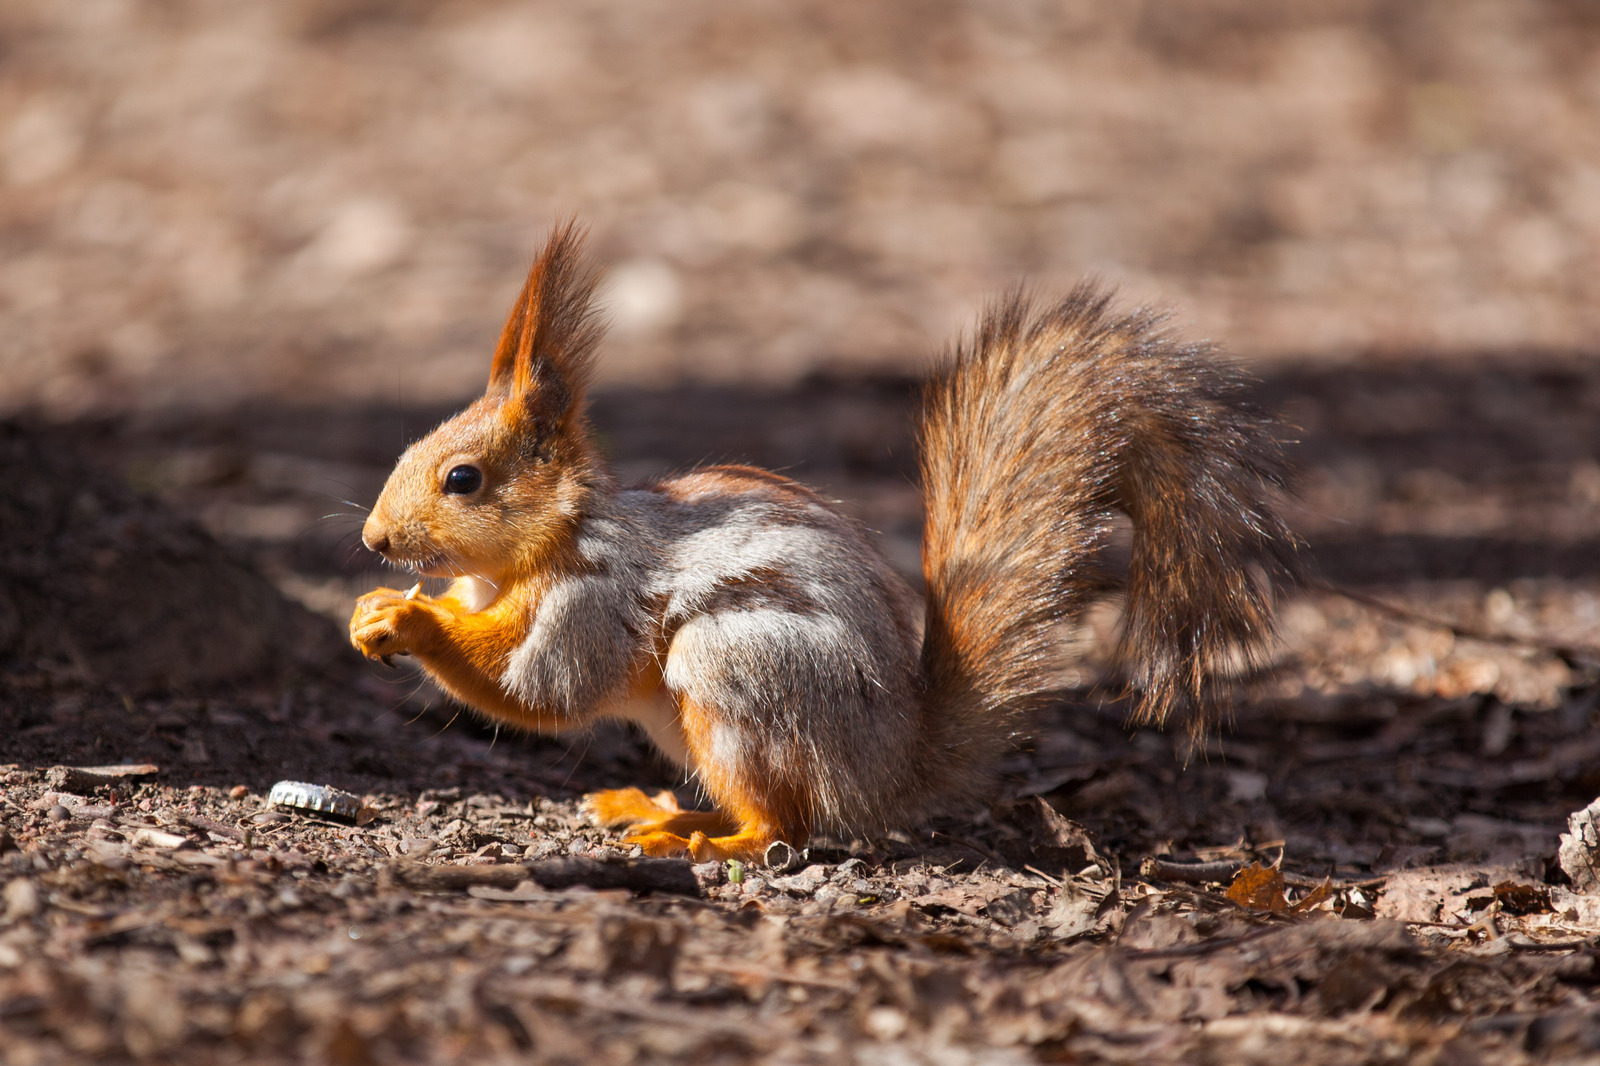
<point>657,815</point>
<point>748,844</point>
<point>617,807</point>
<point>665,830</point>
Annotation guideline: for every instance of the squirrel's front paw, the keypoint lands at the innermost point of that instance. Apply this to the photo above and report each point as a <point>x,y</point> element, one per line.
<point>388,622</point>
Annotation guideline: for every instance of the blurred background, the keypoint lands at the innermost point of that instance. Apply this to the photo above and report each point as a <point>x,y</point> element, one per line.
<point>207,201</point>
<point>248,250</point>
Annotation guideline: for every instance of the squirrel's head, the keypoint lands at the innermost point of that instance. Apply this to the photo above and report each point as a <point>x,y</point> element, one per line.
<point>494,490</point>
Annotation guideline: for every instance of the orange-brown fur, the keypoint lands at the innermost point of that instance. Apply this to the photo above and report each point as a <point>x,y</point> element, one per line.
<point>771,647</point>
<point>464,651</point>
<point>750,815</point>
<point>1035,434</point>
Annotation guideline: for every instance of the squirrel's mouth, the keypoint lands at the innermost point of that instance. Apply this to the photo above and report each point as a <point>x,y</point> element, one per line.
<point>432,566</point>
<point>422,566</point>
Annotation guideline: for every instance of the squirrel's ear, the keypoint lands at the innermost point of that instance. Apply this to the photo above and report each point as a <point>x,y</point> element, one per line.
<point>549,339</point>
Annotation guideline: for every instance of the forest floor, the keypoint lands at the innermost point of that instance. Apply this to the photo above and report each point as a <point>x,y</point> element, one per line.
<point>1401,773</point>
<point>225,227</point>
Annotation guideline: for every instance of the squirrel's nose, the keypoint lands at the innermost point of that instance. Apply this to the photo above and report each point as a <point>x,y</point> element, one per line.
<point>375,538</point>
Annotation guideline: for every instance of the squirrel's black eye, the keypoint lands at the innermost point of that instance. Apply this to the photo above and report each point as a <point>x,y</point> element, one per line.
<point>463,480</point>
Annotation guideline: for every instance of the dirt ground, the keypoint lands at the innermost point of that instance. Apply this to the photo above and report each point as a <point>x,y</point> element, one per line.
<point>247,252</point>
<point>1421,768</point>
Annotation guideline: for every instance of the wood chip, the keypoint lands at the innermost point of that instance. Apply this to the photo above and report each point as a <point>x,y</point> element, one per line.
<point>83,778</point>
<point>156,838</point>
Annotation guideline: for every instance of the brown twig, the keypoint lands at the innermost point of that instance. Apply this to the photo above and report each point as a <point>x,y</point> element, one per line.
<point>1040,873</point>
<point>1190,873</point>
<point>84,778</point>
<point>1223,871</point>
<point>209,825</point>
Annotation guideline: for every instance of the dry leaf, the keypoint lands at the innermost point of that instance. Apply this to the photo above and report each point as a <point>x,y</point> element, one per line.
<point>1515,898</point>
<point>1580,848</point>
<point>967,899</point>
<point>1320,894</point>
<point>1074,912</point>
<point>1259,888</point>
<point>1047,839</point>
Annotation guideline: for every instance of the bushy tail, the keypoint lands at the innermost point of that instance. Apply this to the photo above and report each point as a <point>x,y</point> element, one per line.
<point>1042,427</point>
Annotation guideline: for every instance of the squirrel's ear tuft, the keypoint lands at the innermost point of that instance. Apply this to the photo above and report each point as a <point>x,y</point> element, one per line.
<point>550,338</point>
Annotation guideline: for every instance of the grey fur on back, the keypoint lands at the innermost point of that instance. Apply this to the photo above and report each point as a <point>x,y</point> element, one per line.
<point>765,605</point>
<point>591,627</point>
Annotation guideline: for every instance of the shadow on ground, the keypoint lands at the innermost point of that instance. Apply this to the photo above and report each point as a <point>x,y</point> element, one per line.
<point>1423,771</point>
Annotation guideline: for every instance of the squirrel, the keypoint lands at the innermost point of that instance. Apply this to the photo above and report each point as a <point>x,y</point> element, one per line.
<point>756,633</point>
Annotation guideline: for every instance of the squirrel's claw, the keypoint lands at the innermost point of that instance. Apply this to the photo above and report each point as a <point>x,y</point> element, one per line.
<point>750,845</point>
<point>385,624</point>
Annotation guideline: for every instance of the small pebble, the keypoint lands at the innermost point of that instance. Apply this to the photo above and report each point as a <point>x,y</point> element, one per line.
<point>709,874</point>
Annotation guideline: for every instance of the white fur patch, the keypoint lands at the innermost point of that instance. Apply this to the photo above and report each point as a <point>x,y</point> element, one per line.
<point>474,593</point>
<point>657,714</point>
<point>733,549</point>
<point>727,747</point>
